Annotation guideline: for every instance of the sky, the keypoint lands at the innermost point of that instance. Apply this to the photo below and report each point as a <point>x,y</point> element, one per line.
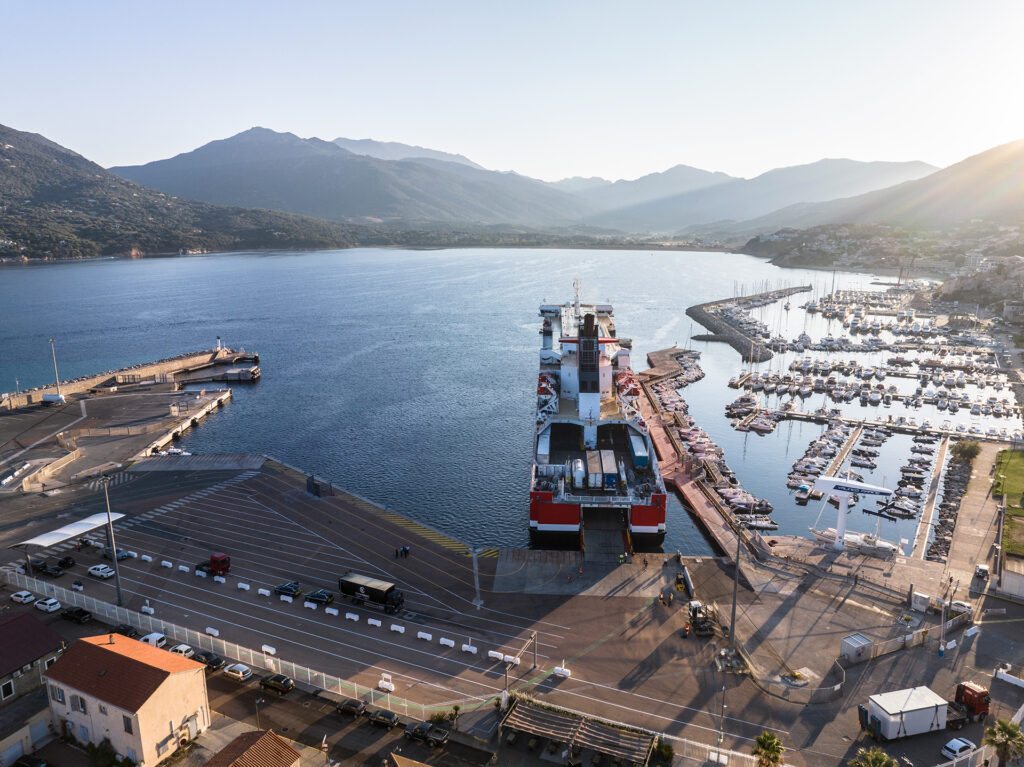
<point>549,89</point>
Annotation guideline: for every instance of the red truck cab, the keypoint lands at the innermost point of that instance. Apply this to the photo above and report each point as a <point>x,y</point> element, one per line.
<point>220,563</point>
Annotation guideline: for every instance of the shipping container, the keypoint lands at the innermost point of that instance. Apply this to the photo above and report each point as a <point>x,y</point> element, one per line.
<point>544,446</point>
<point>638,449</point>
<point>907,712</point>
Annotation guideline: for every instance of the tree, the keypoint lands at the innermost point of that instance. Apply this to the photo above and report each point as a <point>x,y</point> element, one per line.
<point>966,450</point>
<point>1007,739</point>
<point>876,757</point>
<point>768,750</point>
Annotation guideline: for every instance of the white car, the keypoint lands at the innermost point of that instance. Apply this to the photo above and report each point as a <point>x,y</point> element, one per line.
<point>101,571</point>
<point>50,605</point>
<point>957,747</point>
<point>24,597</point>
<point>183,649</point>
<point>239,671</point>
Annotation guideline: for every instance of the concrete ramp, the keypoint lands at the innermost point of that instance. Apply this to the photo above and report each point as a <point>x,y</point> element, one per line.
<point>526,571</point>
<point>229,462</point>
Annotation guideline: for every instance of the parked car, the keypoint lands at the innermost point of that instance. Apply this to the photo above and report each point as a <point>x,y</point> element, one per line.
<point>428,732</point>
<point>320,597</point>
<point>23,597</point>
<point>101,571</point>
<point>156,639</point>
<point>278,683</point>
<point>957,747</point>
<point>239,672</point>
<point>28,760</point>
<point>125,629</point>
<point>50,605</point>
<point>66,562</point>
<point>52,571</point>
<point>382,718</point>
<point>121,553</point>
<point>290,589</point>
<point>76,614</point>
<point>211,659</point>
<point>183,650</point>
<point>36,564</point>
<point>352,706</point>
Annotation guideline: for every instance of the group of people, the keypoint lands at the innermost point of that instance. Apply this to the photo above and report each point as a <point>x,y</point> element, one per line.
<point>402,551</point>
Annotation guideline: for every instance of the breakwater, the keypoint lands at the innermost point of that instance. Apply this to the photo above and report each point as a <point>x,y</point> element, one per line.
<point>725,327</point>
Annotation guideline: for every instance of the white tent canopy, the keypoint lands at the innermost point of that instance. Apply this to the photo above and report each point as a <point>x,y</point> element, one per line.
<point>74,530</point>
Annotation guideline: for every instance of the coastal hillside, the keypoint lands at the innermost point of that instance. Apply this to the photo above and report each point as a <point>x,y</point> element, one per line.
<point>393,150</point>
<point>741,199</point>
<point>55,203</point>
<point>987,186</point>
<point>280,171</point>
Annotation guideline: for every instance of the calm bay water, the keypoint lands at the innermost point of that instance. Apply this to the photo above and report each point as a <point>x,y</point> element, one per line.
<point>405,376</point>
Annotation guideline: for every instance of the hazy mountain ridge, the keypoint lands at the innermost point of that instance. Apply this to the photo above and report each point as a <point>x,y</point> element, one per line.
<point>394,150</point>
<point>744,199</point>
<point>280,171</point>
<point>677,180</point>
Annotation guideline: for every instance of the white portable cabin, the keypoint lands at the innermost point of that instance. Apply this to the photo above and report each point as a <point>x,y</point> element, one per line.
<point>908,712</point>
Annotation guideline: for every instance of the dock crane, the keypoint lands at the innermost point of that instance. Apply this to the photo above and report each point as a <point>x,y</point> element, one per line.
<point>844,488</point>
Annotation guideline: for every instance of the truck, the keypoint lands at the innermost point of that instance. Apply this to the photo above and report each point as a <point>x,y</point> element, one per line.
<point>54,399</point>
<point>916,710</point>
<point>219,564</point>
<point>361,589</point>
<point>595,478</point>
<point>700,622</point>
<point>609,469</point>
<point>638,450</point>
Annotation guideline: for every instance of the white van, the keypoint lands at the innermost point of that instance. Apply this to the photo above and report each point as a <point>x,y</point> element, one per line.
<point>156,639</point>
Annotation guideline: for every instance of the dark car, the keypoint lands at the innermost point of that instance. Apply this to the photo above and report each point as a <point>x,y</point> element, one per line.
<point>52,571</point>
<point>279,683</point>
<point>382,718</point>
<point>428,732</point>
<point>36,564</point>
<point>320,597</point>
<point>121,553</point>
<point>66,562</point>
<point>352,706</point>
<point>211,659</point>
<point>127,630</point>
<point>31,761</point>
<point>76,614</point>
<point>290,589</point>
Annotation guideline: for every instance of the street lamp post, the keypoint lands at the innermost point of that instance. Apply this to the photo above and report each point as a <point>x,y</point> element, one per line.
<point>721,719</point>
<point>56,375</point>
<point>478,602</point>
<point>113,543</point>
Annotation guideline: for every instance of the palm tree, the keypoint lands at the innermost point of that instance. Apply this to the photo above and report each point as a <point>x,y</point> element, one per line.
<point>768,750</point>
<point>876,757</point>
<point>1006,738</point>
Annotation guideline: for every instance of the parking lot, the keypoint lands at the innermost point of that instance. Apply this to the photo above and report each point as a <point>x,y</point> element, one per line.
<point>628,659</point>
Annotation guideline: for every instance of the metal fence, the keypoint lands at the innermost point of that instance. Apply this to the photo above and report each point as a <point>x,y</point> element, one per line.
<point>203,641</point>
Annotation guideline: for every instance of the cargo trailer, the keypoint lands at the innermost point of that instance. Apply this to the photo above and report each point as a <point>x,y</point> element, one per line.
<point>638,450</point>
<point>609,469</point>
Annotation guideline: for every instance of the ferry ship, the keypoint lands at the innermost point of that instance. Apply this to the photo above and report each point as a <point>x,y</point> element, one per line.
<point>593,460</point>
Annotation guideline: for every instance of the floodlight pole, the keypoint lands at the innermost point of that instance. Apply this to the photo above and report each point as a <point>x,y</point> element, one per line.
<point>113,543</point>
<point>735,593</point>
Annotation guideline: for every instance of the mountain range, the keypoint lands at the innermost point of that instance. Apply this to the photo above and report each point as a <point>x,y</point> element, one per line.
<point>402,185</point>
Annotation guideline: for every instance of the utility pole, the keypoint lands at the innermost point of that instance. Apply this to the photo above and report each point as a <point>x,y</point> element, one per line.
<point>113,544</point>
<point>56,376</point>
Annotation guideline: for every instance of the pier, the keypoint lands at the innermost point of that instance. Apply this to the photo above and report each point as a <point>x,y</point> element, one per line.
<point>924,526</point>
<point>751,349</point>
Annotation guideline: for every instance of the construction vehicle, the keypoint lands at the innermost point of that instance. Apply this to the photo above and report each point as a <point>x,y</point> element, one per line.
<point>701,623</point>
<point>902,713</point>
<point>219,564</point>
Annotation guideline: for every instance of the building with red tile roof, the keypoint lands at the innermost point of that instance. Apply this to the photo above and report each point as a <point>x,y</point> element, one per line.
<point>144,700</point>
<point>259,748</point>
